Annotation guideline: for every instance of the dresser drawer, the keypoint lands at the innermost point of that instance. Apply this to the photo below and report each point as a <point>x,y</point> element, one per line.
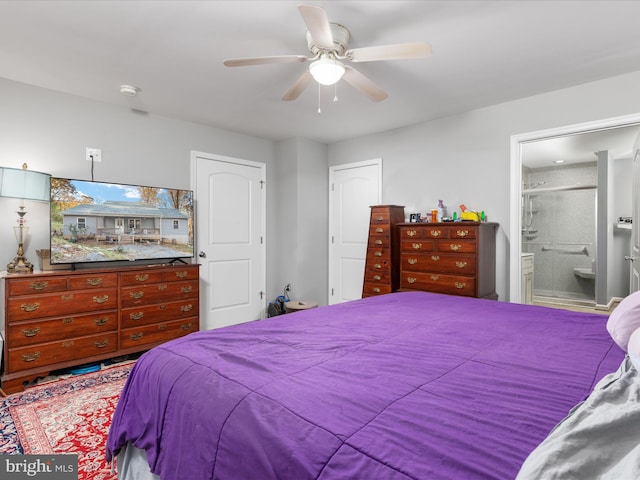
<point>27,333</point>
<point>161,332</point>
<point>439,262</point>
<point>379,215</point>
<point>457,246</point>
<point>63,303</point>
<point>54,352</point>
<point>81,282</point>
<point>436,282</point>
<point>462,232</point>
<point>436,232</point>
<point>180,273</point>
<point>379,230</point>
<point>36,285</point>
<point>411,233</point>
<point>379,242</point>
<point>162,312</point>
<point>148,294</point>
<point>377,276</point>
<point>373,289</point>
<point>417,246</point>
<point>140,277</point>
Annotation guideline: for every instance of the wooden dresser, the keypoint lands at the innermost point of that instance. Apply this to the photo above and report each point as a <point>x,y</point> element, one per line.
<point>381,273</point>
<point>60,319</point>
<point>456,258</point>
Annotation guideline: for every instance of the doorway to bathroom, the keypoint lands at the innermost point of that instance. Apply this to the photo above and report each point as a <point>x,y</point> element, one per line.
<point>571,198</point>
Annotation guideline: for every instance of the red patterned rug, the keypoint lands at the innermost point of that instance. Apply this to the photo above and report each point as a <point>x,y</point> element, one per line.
<point>71,415</point>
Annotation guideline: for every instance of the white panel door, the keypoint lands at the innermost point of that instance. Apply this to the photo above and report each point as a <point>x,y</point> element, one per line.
<point>635,215</point>
<point>354,188</point>
<point>230,214</point>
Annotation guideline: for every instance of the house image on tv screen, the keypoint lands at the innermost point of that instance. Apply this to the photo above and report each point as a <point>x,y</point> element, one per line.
<point>125,223</point>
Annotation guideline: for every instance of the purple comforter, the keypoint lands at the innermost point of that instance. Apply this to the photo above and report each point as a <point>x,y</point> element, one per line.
<point>409,385</point>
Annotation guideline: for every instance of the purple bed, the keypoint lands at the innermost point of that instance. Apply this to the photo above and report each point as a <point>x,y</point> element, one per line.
<point>409,385</point>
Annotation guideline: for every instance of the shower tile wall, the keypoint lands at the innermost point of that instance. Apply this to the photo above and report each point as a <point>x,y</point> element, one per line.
<point>563,221</point>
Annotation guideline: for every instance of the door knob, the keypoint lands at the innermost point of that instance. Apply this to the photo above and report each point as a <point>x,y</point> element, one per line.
<point>629,257</point>
<point>202,254</point>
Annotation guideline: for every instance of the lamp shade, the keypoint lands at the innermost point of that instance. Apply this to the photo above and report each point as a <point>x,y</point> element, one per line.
<point>24,184</point>
<point>326,71</point>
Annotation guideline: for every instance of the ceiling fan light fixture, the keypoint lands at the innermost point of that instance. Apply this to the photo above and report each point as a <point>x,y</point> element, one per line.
<point>326,71</point>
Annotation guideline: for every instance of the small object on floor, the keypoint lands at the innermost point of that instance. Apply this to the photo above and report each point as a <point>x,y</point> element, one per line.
<point>297,305</point>
<point>93,367</point>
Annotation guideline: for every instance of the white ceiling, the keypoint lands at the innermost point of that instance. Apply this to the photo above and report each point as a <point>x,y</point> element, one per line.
<point>484,52</point>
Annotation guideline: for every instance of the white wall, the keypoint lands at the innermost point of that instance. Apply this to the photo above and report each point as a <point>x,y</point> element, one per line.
<point>51,130</point>
<point>466,158</point>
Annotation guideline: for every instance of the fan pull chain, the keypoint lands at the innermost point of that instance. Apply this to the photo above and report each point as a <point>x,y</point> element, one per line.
<point>319,109</point>
<point>335,92</point>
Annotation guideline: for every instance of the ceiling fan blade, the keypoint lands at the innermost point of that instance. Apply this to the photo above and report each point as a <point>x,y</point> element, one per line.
<point>389,52</point>
<point>243,62</point>
<point>298,87</point>
<point>318,25</point>
<point>362,83</point>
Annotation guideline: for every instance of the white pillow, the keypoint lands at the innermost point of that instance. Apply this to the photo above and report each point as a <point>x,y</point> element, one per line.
<point>624,320</point>
<point>634,349</point>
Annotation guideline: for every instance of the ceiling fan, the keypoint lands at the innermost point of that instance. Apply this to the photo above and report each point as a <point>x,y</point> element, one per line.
<point>327,43</point>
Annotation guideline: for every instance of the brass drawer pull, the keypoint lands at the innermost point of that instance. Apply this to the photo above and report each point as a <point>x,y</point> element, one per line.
<point>67,321</point>
<point>67,343</point>
<point>162,307</point>
<point>67,297</point>
<point>412,261</point>
<point>378,242</point>
<point>380,218</point>
<point>378,266</point>
<point>142,277</point>
<point>435,278</point>
<point>136,336</point>
<point>411,279</point>
<point>101,321</point>
<point>30,357</point>
<point>376,290</point>
<point>31,332</point>
<point>455,247</point>
<point>460,285</point>
<point>377,277</point>
<point>101,298</point>
<point>38,285</point>
<point>435,258</point>
<point>94,282</point>
<point>29,307</point>
<point>436,233</point>
<point>461,264</point>
<point>379,230</point>
<point>182,274</point>
<point>162,326</point>
<point>186,326</point>
<point>136,295</point>
<point>462,233</point>
<point>136,316</point>
<point>187,289</point>
<point>186,308</point>
<point>411,233</point>
<point>101,343</point>
<point>377,254</point>
<point>416,246</point>
<point>162,286</point>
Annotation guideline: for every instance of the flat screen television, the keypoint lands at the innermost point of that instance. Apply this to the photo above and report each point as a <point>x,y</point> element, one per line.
<point>107,222</point>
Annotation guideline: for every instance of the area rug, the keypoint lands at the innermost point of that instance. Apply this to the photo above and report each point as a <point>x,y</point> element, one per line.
<point>70,415</point>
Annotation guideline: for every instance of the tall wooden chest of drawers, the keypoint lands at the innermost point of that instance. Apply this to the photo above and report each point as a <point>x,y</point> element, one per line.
<point>454,258</point>
<point>381,274</point>
<point>62,319</point>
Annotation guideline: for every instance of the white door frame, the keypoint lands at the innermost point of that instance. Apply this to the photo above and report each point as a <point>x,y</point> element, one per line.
<point>263,167</point>
<point>516,184</point>
<point>345,166</point>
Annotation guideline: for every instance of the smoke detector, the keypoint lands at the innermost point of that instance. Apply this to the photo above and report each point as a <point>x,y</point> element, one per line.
<point>129,90</point>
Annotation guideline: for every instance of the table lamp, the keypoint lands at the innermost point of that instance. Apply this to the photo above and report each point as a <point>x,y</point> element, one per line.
<point>25,185</point>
